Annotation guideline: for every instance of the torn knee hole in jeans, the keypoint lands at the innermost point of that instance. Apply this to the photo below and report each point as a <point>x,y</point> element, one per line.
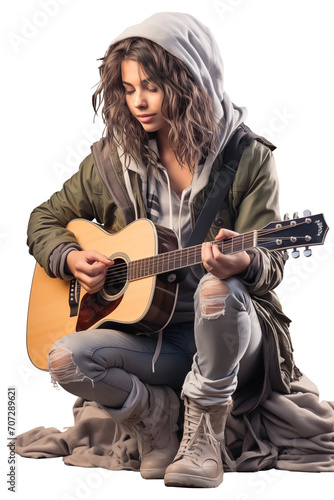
<point>62,367</point>
<point>213,294</point>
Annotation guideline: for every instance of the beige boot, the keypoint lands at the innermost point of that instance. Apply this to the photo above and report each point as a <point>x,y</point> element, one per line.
<point>198,462</point>
<point>156,427</point>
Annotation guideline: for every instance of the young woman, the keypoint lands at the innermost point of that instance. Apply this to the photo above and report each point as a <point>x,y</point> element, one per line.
<point>168,121</point>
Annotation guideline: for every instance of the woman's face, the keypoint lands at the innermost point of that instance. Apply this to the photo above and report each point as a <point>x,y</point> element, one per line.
<point>144,99</point>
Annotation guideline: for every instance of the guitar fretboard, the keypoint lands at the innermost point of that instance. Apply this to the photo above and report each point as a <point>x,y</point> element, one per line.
<point>184,257</point>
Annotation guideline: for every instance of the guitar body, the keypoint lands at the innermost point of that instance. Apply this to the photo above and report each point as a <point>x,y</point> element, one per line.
<point>58,308</point>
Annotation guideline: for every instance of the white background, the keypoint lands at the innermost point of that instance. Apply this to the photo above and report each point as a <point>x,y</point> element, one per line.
<point>278,58</point>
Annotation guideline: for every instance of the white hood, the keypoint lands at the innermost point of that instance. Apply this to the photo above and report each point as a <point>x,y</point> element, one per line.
<point>188,39</point>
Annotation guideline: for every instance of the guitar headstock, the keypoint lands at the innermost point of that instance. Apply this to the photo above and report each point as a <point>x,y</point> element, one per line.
<point>294,233</point>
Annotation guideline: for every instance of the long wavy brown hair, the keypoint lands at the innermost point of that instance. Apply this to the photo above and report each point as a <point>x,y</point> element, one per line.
<point>186,106</point>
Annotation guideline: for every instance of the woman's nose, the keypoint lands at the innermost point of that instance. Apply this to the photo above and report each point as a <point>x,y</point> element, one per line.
<point>139,100</point>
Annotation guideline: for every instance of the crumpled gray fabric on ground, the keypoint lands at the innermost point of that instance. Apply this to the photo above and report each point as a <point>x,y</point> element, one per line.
<point>288,431</point>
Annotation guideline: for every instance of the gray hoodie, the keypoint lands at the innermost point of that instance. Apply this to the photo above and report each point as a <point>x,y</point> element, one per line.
<point>188,39</point>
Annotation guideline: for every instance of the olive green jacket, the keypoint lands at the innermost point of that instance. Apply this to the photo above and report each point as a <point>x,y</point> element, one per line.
<point>97,192</point>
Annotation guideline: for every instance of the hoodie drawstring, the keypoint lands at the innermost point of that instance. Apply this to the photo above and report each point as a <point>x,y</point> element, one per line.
<point>157,351</point>
<point>130,192</point>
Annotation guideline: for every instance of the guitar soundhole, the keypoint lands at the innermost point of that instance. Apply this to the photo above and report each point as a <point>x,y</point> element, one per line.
<point>116,278</point>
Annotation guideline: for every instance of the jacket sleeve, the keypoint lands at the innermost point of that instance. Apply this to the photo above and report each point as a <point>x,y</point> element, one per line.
<point>47,223</point>
<point>256,204</point>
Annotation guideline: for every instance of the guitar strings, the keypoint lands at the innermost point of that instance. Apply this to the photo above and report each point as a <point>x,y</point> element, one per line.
<point>119,273</point>
<point>228,245</point>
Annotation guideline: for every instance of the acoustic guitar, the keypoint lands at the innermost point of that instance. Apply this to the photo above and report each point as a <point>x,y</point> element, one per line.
<point>140,289</point>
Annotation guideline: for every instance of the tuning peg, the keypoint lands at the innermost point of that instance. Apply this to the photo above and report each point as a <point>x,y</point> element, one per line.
<point>307,252</point>
<point>295,254</point>
<point>307,213</point>
<point>295,215</point>
<point>285,255</point>
<point>286,216</point>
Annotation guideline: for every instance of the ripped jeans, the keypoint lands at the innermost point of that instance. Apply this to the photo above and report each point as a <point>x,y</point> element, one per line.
<point>206,360</point>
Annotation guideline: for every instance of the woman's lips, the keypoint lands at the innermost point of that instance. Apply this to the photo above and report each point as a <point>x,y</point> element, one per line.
<point>145,118</point>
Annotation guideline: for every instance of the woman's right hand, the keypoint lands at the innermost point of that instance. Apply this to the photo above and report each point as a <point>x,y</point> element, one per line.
<point>89,267</point>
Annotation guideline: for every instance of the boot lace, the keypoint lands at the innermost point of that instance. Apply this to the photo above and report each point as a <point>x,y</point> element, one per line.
<point>197,434</point>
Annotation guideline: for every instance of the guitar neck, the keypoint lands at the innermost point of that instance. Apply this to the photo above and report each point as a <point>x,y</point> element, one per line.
<point>185,257</point>
<point>278,235</point>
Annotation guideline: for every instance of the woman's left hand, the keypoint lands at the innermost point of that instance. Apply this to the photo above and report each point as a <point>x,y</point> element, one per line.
<point>220,265</point>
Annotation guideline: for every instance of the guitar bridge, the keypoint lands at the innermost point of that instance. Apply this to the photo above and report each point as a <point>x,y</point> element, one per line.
<point>73,299</point>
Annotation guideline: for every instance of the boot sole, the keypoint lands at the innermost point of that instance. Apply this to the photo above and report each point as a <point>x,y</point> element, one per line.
<point>153,473</point>
<point>187,480</point>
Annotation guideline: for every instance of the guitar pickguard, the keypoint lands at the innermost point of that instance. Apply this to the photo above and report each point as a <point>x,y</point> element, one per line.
<point>94,308</point>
